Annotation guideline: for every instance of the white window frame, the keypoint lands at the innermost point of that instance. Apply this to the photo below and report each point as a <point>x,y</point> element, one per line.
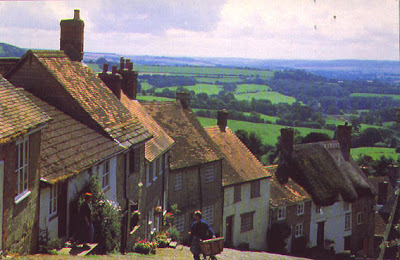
<point>179,222</point>
<point>209,174</point>
<point>318,209</point>
<point>178,181</point>
<point>22,170</point>
<point>360,218</point>
<point>244,226</point>
<point>300,209</point>
<point>347,221</point>
<point>282,213</point>
<point>298,230</point>
<point>154,167</point>
<point>53,197</point>
<point>105,174</point>
<point>208,214</point>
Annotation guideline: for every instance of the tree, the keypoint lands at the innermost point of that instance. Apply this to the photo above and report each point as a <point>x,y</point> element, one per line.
<point>315,137</point>
<point>252,141</point>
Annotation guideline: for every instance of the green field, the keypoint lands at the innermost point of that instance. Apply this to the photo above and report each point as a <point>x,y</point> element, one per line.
<point>192,70</point>
<point>209,89</point>
<point>268,132</point>
<point>397,97</point>
<point>273,96</point>
<point>374,152</point>
<point>153,98</point>
<point>248,88</point>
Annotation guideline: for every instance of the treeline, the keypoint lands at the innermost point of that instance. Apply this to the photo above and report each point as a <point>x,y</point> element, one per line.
<point>161,81</point>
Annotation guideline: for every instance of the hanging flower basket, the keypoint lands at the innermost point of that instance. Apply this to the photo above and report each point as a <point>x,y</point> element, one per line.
<point>158,210</point>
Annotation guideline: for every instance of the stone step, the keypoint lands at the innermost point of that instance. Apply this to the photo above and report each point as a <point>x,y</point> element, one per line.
<point>77,250</point>
<point>173,244</point>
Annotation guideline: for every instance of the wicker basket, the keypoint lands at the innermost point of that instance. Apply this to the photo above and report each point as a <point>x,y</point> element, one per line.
<point>212,246</point>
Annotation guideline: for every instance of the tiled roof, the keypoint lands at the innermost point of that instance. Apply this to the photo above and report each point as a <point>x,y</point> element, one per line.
<point>160,142</point>
<point>192,144</point>
<point>17,113</point>
<point>241,165</point>
<point>68,146</point>
<point>287,193</point>
<point>93,96</point>
<point>322,171</point>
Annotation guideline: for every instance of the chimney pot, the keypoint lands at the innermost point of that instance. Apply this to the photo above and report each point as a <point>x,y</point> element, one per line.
<point>222,119</point>
<point>184,98</point>
<point>114,69</point>
<point>105,67</point>
<point>130,66</point>
<point>122,63</point>
<point>76,14</point>
<point>127,63</point>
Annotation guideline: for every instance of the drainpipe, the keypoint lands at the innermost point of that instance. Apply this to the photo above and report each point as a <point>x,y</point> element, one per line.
<point>200,190</point>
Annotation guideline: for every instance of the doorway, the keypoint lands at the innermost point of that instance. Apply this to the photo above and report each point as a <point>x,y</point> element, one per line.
<point>229,231</point>
<point>321,234</point>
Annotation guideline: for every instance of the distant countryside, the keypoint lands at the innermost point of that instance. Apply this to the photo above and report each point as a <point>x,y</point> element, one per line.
<point>262,101</point>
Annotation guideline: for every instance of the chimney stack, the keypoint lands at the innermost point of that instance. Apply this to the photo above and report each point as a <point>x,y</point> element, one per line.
<point>382,192</point>
<point>184,98</point>
<point>71,39</point>
<point>112,81</point>
<point>287,142</point>
<point>222,119</point>
<point>129,78</point>
<point>344,138</point>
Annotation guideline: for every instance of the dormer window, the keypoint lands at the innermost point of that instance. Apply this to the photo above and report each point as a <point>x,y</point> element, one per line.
<point>282,213</point>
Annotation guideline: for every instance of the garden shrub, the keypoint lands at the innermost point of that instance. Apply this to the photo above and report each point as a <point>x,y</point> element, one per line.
<point>174,234</point>
<point>105,217</point>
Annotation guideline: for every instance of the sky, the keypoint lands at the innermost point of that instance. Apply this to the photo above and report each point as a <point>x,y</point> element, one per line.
<point>260,29</point>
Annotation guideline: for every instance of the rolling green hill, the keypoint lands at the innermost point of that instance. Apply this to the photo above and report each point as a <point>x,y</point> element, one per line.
<point>7,50</point>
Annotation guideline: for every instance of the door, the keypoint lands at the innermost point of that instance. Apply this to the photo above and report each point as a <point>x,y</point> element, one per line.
<point>62,209</point>
<point>229,231</point>
<point>321,234</point>
<point>1,203</point>
<point>347,243</point>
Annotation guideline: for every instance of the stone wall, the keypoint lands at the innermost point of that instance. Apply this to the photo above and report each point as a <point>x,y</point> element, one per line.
<point>21,221</point>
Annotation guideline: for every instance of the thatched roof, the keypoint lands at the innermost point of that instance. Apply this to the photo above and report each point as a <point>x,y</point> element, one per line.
<point>323,172</point>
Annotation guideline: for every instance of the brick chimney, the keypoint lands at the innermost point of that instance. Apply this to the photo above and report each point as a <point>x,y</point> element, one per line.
<point>71,40</point>
<point>112,81</point>
<point>287,142</point>
<point>344,138</point>
<point>184,98</point>
<point>222,119</point>
<point>382,192</point>
<point>129,78</point>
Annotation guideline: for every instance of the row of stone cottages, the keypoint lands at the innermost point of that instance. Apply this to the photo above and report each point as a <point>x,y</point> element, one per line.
<point>62,123</point>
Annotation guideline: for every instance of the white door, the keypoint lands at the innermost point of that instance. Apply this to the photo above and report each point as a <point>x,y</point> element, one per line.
<point>1,203</point>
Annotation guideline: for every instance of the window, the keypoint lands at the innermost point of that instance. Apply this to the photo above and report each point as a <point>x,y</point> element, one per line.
<point>153,169</point>
<point>318,209</point>
<point>255,189</point>
<point>105,177</point>
<point>148,182</point>
<point>347,221</point>
<point>281,213</point>
<point>22,170</point>
<point>134,161</point>
<point>209,176</point>
<point>53,200</point>
<point>178,182</point>
<point>208,214</point>
<point>237,193</point>
<point>166,161</point>
<point>246,222</point>
<point>346,206</point>
<point>298,230</point>
<point>179,223</point>
<point>300,209</point>
<point>360,218</point>
<point>158,166</point>
<point>160,162</point>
